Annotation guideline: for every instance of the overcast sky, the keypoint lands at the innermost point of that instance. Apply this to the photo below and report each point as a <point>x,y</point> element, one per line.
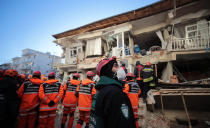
<point>31,23</point>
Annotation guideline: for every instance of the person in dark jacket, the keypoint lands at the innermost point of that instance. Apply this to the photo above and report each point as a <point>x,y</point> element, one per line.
<point>8,99</point>
<point>147,73</point>
<point>111,107</point>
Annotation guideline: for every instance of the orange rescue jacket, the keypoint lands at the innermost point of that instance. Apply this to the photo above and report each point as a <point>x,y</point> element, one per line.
<point>28,92</point>
<point>133,91</point>
<point>70,100</point>
<point>86,90</point>
<point>50,90</point>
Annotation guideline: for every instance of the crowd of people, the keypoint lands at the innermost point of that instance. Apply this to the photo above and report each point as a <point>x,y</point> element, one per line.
<point>110,102</point>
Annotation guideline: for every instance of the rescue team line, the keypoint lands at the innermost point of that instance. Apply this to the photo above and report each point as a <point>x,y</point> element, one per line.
<point>115,92</point>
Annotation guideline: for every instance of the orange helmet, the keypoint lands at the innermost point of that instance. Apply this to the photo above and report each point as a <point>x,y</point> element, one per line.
<point>130,75</point>
<point>148,64</point>
<point>90,73</point>
<point>76,75</point>
<point>37,73</point>
<point>23,76</point>
<point>51,74</point>
<point>11,72</point>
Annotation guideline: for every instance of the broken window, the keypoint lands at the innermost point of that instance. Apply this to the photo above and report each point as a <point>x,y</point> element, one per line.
<point>118,44</point>
<point>73,52</point>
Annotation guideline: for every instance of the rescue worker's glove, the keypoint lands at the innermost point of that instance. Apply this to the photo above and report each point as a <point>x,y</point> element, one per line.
<point>51,103</point>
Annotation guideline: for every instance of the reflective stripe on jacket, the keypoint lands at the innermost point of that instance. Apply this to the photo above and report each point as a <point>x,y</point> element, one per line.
<point>152,84</point>
<point>70,100</point>
<point>28,92</point>
<point>147,74</point>
<point>85,90</point>
<point>50,90</point>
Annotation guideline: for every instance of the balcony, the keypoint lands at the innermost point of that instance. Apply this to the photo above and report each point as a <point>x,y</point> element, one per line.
<point>198,39</point>
<point>195,43</point>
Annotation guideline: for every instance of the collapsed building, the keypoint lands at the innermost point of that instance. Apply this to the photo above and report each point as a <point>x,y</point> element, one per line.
<point>174,35</point>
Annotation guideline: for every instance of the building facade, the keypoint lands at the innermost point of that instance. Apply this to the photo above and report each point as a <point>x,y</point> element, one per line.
<point>5,66</point>
<point>32,60</point>
<point>172,35</point>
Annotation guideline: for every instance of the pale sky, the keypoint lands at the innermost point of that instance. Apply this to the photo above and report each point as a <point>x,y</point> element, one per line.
<point>31,23</point>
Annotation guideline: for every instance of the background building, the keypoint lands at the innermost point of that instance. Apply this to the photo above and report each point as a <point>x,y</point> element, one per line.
<point>5,66</point>
<point>32,60</point>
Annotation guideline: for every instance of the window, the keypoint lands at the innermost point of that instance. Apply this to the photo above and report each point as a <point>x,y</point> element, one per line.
<point>93,47</point>
<point>73,52</point>
<point>191,31</point>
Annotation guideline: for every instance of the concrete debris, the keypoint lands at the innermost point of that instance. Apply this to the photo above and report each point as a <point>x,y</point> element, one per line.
<point>151,120</point>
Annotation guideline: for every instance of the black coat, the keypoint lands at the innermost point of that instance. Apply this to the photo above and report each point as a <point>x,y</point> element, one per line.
<point>8,88</point>
<point>8,102</point>
<point>113,108</point>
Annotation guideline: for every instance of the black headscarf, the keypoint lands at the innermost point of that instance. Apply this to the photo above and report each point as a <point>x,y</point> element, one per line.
<point>106,70</point>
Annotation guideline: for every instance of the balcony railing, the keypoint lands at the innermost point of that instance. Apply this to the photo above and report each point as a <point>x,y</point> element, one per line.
<point>194,43</point>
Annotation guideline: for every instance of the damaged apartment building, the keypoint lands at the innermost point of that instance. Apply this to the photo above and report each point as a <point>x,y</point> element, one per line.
<point>174,35</point>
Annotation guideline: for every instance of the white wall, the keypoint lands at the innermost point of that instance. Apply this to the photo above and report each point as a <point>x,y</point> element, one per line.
<point>36,61</point>
<point>44,63</point>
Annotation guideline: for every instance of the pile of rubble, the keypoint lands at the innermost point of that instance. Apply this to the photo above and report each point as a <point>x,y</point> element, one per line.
<point>149,119</point>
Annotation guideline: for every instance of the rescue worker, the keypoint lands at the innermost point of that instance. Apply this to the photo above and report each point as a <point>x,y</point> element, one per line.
<point>8,99</point>
<point>133,91</point>
<point>111,107</point>
<point>85,91</point>
<point>70,100</point>
<point>50,93</point>
<point>29,106</point>
<point>137,72</point>
<point>124,68</point>
<point>147,73</point>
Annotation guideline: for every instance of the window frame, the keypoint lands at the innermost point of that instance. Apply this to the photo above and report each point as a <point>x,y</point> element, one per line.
<point>191,31</point>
